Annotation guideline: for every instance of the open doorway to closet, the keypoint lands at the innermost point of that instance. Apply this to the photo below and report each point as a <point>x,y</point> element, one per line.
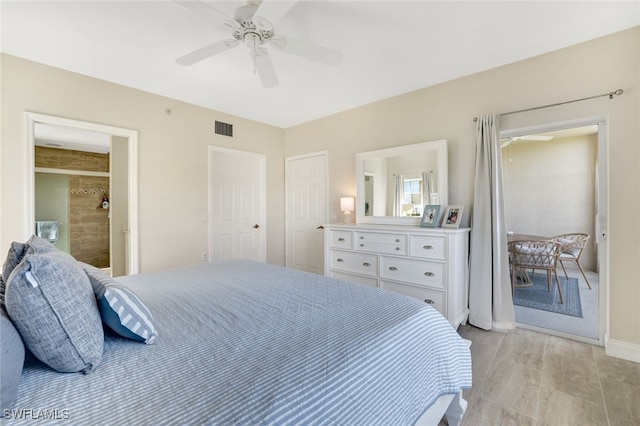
<point>553,185</point>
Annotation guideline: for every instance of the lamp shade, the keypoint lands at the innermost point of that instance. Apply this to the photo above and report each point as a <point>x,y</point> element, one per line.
<point>347,204</point>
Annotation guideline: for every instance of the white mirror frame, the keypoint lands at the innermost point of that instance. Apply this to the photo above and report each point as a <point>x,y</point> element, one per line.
<point>31,119</point>
<point>439,146</point>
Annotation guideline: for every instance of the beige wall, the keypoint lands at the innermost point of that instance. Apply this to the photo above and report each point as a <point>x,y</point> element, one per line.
<point>172,157</point>
<point>445,111</point>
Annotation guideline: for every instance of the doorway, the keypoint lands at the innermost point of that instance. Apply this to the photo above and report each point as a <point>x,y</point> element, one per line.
<point>555,183</point>
<point>237,205</point>
<point>120,213</point>
<point>306,211</point>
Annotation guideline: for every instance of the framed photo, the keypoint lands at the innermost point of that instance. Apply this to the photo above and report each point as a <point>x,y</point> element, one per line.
<point>452,216</point>
<point>430,216</point>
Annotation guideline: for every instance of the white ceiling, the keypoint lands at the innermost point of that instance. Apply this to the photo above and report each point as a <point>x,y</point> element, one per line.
<point>388,47</point>
<point>70,138</point>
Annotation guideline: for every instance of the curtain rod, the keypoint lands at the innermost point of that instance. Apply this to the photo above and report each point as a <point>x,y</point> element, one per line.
<point>412,173</point>
<point>610,95</point>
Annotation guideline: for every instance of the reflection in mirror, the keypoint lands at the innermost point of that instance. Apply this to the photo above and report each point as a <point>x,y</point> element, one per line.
<point>369,185</point>
<point>407,183</point>
<point>395,184</point>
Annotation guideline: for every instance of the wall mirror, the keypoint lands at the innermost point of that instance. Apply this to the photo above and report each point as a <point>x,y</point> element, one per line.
<point>394,184</point>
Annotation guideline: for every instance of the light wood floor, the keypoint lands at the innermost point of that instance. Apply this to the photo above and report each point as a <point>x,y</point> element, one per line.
<point>523,377</point>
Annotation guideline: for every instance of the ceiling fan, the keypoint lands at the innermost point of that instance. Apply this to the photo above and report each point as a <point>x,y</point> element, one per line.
<point>505,142</point>
<point>249,27</point>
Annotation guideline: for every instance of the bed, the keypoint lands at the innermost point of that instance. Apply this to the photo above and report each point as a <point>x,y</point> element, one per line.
<point>245,343</point>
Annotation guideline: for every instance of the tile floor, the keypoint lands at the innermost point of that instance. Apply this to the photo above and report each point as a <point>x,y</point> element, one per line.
<point>523,377</point>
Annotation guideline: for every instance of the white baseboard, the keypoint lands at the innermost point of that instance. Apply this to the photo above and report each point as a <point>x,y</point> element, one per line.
<point>620,349</point>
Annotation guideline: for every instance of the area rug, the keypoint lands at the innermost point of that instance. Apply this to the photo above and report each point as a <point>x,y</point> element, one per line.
<point>537,296</point>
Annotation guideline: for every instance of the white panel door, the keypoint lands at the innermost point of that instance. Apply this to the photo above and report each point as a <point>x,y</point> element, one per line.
<point>237,210</point>
<point>306,211</point>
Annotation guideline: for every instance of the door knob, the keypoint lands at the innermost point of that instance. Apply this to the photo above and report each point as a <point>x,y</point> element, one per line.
<point>256,226</point>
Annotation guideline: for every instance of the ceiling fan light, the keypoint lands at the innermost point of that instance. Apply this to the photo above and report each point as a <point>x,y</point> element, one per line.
<point>252,40</point>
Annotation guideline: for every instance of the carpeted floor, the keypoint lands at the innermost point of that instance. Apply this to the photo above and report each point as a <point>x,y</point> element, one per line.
<point>587,326</point>
<point>538,296</point>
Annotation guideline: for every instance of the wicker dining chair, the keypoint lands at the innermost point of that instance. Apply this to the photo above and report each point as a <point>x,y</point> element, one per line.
<point>542,255</point>
<point>572,246</point>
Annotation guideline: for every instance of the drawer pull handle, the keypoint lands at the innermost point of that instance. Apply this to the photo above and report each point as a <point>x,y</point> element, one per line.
<point>361,237</point>
<point>393,268</point>
<point>397,248</point>
<point>397,240</point>
<point>430,274</point>
<point>361,245</point>
<point>429,301</point>
<point>427,247</point>
<point>340,239</point>
<point>366,264</point>
<point>340,260</point>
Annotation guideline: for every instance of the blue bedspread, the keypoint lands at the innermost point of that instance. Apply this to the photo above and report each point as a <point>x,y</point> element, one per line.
<point>244,343</point>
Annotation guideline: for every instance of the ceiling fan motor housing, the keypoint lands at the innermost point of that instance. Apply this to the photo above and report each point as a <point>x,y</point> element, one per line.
<point>250,32</point>
<point>250,29</point>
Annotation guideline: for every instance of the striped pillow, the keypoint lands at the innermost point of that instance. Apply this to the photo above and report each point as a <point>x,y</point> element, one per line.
<point>121,310</point>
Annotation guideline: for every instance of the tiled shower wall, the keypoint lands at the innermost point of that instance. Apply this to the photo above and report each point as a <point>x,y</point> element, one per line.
<point>88,221</point>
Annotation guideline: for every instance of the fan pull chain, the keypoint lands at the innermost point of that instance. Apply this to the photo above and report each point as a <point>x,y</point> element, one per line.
<point>254,56</point>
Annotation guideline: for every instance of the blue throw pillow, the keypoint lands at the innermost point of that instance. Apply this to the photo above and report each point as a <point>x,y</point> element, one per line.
<point>17,251</point>
<point>13,259</point>
<point>120,308</point>
<point>11,361</point>
<point>51,303</point>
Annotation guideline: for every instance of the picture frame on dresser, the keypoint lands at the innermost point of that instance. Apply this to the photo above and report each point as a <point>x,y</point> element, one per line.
<point>430,216</point>
<point>452,216</point>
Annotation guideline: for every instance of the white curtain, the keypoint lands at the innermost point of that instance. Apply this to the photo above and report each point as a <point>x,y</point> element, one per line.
<point>490,300</point>
<point>427,188</point>
<point>398,195</point>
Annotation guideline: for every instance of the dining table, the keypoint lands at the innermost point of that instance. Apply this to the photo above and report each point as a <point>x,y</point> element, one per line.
<point>526,237</point>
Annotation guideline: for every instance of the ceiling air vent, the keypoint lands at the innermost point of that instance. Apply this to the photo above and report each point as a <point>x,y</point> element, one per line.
<point>224,129</point>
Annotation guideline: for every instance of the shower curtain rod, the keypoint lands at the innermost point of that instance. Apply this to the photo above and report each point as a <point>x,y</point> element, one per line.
<point>610,95</point>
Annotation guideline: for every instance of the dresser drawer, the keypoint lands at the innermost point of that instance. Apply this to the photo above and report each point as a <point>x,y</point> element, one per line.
<point>427,247</point>
<point>423,273</point>
<point>381,243</point>
<point>360,263</point>
<point>373,282</point>
<point>341,239</point>
<point>434,298</point>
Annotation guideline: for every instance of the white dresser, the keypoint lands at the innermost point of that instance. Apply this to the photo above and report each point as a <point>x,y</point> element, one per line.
<point>430,264</point>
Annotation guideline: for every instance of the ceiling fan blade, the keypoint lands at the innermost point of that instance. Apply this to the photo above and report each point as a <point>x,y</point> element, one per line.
<point>274,10</point>
<point>505,142</point>
<point>264,66</point>
<point>204,8</point>
<point>307,50</point>
<point>206,51</point>
<point>536,138</point>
